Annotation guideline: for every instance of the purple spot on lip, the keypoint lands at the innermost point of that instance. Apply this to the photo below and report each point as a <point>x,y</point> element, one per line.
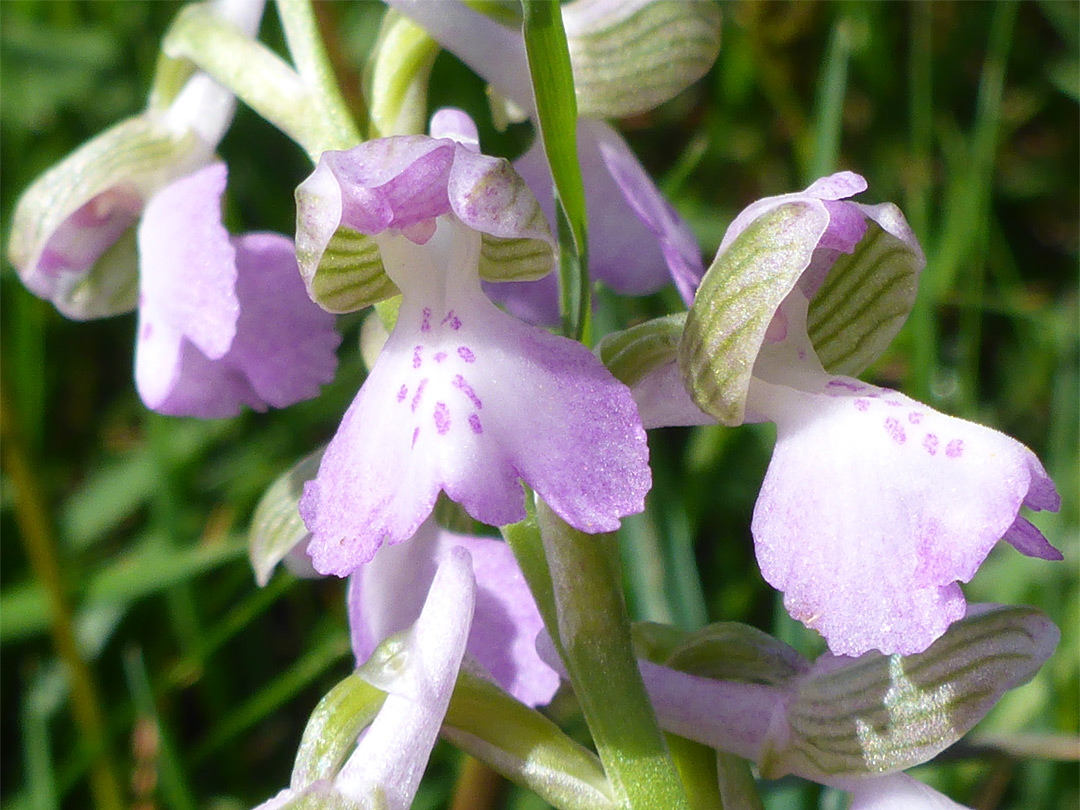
<point>147,330</point>
<point>850,386</point>
<point>861,404</point>
<point>416,356</point>
<point>419,393</point>
<point>893,403</point>
<point>453,320</point>
<point>895,430</point>
<point>955,448</point>
<point>440,356</point>
<point>425,326</point>
<point>466,354</point>
<point>930,442</point>
<point>474,423</point>
<point>442,418</point>
<point>914,417</point>
<point>402,393</point>
<point>415,436</point>
<point>466,389</point>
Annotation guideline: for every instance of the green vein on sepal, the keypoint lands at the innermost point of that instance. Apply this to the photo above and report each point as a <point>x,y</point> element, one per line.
<point>628,63</point>
<point>736,301</point>
<point>878,714</point>
<point>333,728</point>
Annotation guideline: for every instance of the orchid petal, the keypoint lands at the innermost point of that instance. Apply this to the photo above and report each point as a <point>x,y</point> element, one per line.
<point>402,183</point>
<point>389,760</point>
<point>467,400</point>
<point>898,791</point>
<point>677,242</point>
<point>874,507</point>
<point>222,323</point>
<point>493,51</point>
<point>187,283</point>
<point>285,345</point>
<point>385,596</point>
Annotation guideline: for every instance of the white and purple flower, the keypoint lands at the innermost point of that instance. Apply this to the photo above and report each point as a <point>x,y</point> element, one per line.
<point>463,398</point>
<point>224,321</point>
<point>637,241</point>
<point>386,595</point>
<point>385,768</point>
<point>874,506</point>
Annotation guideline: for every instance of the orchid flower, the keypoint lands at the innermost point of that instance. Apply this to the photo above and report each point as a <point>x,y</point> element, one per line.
<point>72,234</point>
<point>463,398</point>
<point>384,770</point>
<point>223,322</point>
<point>849,723</point>
<point>637,242</point>
<point>874,506</point>
<point>385,597</point>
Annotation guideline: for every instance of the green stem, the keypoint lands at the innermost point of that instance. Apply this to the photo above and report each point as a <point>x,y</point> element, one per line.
<point>556,114</point>
<point>39,541</point>
<point>577,581</point>
<point>309,55</point>
<point>259,78</point>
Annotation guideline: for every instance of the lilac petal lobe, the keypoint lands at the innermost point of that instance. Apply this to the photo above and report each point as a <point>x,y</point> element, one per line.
<point>677,242</point>
<point>285,345</point>
<point>623,252</point>
<point>457,125</point>
<point>386,593</point>
<point>874,507</point>
<point>467,400</point>
<point>391,757</point>
<point>188,264</point>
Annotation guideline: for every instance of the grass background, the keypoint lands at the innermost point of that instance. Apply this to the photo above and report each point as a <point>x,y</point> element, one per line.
<point>965,114</point>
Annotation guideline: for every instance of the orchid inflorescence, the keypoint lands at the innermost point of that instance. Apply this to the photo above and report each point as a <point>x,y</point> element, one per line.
<point>874,508</point>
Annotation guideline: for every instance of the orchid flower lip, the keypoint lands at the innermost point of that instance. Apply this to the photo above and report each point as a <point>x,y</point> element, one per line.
<point>437,414</point>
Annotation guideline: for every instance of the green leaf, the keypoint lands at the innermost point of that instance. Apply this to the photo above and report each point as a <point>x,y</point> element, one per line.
<point>631,57</point>
<point>735,304</point>
<point>276,526</point>
<point>524,746</point>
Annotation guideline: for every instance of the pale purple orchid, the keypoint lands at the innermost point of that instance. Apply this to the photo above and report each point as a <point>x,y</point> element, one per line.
<point>224,322</point>
<point>72,234</point>
<point>637,241</point>
<point>874,506</point>
<point>386,594</point>
<point>385,769</point>
<point>463,398</point>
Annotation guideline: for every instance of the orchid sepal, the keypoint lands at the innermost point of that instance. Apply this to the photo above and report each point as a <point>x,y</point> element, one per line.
<point>735,304</point>
<point>344,205</point>
<point>631,57</point>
